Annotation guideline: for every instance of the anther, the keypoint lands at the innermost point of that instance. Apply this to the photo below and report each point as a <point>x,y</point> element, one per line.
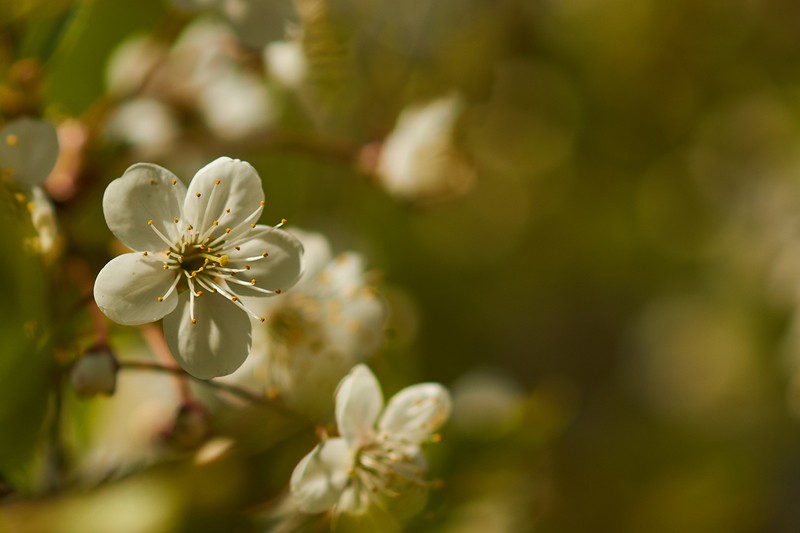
<point>150,222</point>
<point>277,291</point>
<point>216,222</point>
<point>145,254</point>
<point>253,226</point>
<point>166,266</point>
<point>175,220</point>
<point>174,182</point>
<point>263,203</point>
<point>436,437</point>
<point>252,281</point>
<point>284,221</point>
<point>234,298</point>
<point>216,182</point>
<point>160,298</point>
<point>227,209</point>
<point>262,319</point>
<point>227,230</point>
<point>247,267</point>
<point>11,139</point>
<point>194,321</point>
<point>264,254</point>
<point>189,227</point>
<point>20,197</point>
<point>237,248</point>
<point>223,260</point>
<point>198,195</point>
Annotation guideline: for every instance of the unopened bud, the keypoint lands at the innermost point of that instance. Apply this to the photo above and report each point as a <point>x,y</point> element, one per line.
<point>95,373</point>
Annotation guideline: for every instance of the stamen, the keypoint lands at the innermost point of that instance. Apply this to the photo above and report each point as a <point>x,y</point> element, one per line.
<point>160,235</point>
<point>232,298</point>
<point>171,288</point>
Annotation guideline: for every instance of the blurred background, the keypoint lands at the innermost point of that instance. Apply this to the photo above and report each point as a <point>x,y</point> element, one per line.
<point>583,216</point>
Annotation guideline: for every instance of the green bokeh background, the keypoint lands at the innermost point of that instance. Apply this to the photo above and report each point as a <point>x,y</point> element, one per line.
<point>637,168</point>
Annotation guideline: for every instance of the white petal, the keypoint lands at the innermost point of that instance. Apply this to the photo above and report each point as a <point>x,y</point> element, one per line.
<point>217,344</point>
<point>128,287</point>
<point>145,192</point>
<point>359,400</point>
<point>29,149</point>
<point>279,270</point>
<point>239,190</point>
<point>316,253</point>
<point>319,477</point>
<point>415,412</point>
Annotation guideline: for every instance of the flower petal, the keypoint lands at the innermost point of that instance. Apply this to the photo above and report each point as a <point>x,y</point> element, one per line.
<point>239,189</point>
<point>415,412</point>
<point>279,270</point>
<point>28,149</point>
<point>217,344</point>
<point>145,192</point>
<point>319,477</point>
<point>128,287</point>
<point>359,400</point>
<point>316,253</point>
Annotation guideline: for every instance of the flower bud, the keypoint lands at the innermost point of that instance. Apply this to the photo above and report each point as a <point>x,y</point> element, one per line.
<point>95,373</point>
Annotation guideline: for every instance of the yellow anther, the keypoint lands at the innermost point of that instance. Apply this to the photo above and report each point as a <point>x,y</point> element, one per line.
<point>237,248</point>
<point>175,220</point>
<point>247,267</point>
<point>199,293</point>
<point>252,281</point>
<point>198,195</point>
<point>264,254</point>
<point>216,182</point>
<point>20,198</point>
<point>189,227</point>
<point>145,254</point>
<point>262,319</point>
<point>150,222</point>
<point>11,139</point>
<point>262,203</point>
<point>252,226</point>
<point>174,182</point>
<point>227,209</point>
<point>168,253</point>
<point>223,260</point>
<point>29,206</point>
<point>284,221</point>
<point>166,266</point>
<point>436,437</point>
<point>234,298</point>
<point>160,298</point>
<point>227,230</point>
<point>194,321</point>
<point>277,291</point>
<point>216,222</point>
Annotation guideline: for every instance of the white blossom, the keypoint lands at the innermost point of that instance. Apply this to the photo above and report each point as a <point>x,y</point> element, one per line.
<point>420,160</point>
<point>365,474</point>
<point>331,320</point>
<point>197,252</point>
<point>28,152</point>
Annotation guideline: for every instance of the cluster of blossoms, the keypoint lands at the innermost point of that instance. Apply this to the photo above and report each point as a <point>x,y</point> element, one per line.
<point>202,262</point>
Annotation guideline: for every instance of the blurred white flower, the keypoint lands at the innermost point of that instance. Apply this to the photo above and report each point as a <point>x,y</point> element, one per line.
<point>28,152</point>
<point>420,160</point>
<point>331,320</point>
<point>487,405</point>
<point>367,473</point>
<point>236,104</point>
<point>149,125</point>
<point>195,248</point>
<point>286,63</point>
<point>132,63</point>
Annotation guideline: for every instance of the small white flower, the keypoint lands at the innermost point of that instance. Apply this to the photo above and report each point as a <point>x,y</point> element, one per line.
<point>28,152</point>
<point>331,320</point>
<point>195,249</point>
<point>377,460</point>
<point>420,160</point>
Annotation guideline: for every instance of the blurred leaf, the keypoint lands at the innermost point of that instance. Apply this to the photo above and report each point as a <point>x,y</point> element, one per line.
<point>78,65</point>
<point>24,364</point>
